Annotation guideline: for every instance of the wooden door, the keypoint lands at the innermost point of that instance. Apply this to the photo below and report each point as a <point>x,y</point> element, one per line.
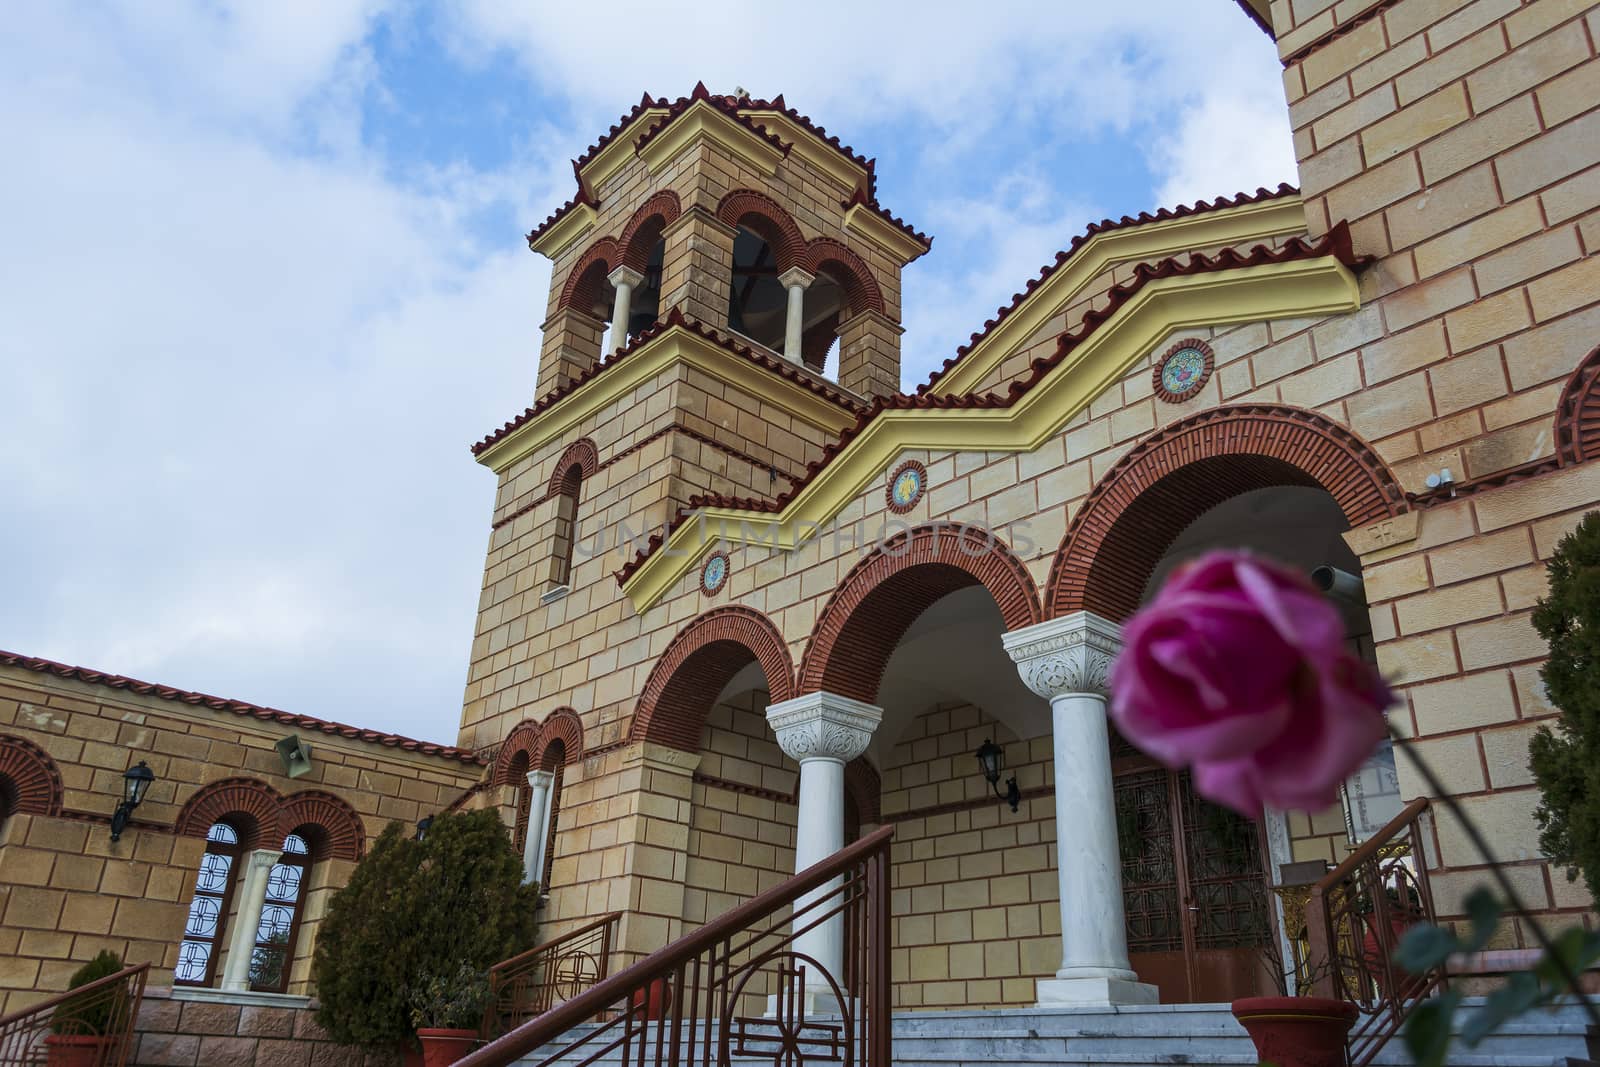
<point>1193,889</point>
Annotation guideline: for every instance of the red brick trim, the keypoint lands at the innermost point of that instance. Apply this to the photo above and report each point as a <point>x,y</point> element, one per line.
<point>581,452</point>
<point>861,290</point>
<point>765,217</point>
<point>1176,474</point>
<point>743,788</point>
<point>702,658</point>
<point>582,288</point>
<point>564,726</point>
<point>29,780</point>
<point>1199,383</point>
<point>884,593</point>
<point>1578,414</point>
<point>523,740</point>
<point>1339,31</point>
<point>257,802</point>
<point>341,834</point>
<point>894,476</point>
<point>644,228</point>
<point>861,781</point>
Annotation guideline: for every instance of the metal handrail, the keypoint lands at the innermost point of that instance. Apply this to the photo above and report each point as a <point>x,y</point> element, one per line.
<point>1354,918</point>
<point>25,1035</point>
<point>658,1001</point>
<point>532,982</point>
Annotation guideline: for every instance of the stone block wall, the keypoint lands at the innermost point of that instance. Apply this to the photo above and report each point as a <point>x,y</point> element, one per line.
<point>172,1032</point>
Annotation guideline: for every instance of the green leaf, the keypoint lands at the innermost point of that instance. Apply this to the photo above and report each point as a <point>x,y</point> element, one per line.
<point>1427,1029</point>
<point>1520,993</point>
<point>1483,914</point>
<point>1425,947</point>
<point>1577,947</point>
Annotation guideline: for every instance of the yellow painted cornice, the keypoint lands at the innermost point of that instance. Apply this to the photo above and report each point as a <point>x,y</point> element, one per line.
<point>1321,286</point>
<point>1282,216</point>
<point>702,121</point>
<point>865,222</point>
<point>578,220</point>
<point>675,345</point>
<point>813,149</point>
<point>616,154</point>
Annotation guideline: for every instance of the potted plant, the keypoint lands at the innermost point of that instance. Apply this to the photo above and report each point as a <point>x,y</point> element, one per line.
<point>1295,1031</point>
<point>1402,915</point>
<point>446,1010</point>
<point>83,1026</point>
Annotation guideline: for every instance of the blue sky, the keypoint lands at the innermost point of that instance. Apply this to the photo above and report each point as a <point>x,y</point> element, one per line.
<point>264,278</point>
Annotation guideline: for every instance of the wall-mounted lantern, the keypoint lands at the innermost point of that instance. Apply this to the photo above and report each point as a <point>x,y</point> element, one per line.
<point>423,825</point>
<point>992,760</point>
<point>135,783</point>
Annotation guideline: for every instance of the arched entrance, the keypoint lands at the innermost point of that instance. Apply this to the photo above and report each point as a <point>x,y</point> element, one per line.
<point>1278,481</point>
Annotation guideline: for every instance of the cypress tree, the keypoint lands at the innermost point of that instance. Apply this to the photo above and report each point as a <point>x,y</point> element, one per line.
<point>414,910</point>
<point>1566,759</point>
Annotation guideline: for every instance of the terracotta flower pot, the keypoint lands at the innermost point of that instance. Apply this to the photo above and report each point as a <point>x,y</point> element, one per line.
<point>1297,1031</point>
<point>76,1050</point>
<point>441,1048</point>
<point>653,999</point>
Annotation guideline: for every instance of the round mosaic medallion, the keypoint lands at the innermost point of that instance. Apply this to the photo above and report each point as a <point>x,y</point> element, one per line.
<point>714,575</point>
<point>906,486</point>
<point>1183,370</point>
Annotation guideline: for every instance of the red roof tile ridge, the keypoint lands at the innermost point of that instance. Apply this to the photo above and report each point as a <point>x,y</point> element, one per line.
<point>1144,218</point>
<point>888,216</point>
<point>805,122</point>
<point>1336,243</point>
<point>675,317</point>
<point>683,103</point>
<point>238,707</point>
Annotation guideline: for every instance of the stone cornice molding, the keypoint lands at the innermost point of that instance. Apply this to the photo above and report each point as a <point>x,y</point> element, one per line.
<point>823,726</point>
<point>1065,656</point>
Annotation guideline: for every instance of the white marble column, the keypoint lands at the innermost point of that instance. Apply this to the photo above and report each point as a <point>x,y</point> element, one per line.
<point>796,281</point>
<point>626,280</point>
<point>533,845</point>
<point>1066,661</point>
<point>247,920</point>
<point>822,732</point>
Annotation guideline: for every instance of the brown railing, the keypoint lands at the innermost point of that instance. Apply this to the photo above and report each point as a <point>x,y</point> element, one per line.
<point>747,984</point>
<point>549,974</point>
<point>1354,919</point>
<point>91,1026</point>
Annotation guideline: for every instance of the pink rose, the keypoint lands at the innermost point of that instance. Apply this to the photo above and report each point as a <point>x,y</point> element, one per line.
<point>1239,668</point>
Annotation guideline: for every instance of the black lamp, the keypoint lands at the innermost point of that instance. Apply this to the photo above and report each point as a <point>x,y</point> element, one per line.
<point>135,783</point>
<point>992,759</point>
<point>423,825</point>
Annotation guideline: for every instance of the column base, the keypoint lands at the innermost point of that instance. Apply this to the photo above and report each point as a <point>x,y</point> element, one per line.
<point>1093,992</point>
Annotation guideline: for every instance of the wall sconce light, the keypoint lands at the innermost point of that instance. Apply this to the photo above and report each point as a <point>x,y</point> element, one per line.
<point>135,783</point>
<point>992,760</point>
<point>424,824</point>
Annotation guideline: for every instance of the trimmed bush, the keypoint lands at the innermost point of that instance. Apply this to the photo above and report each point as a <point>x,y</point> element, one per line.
<point>414,910</point>
<point>102,1012</point>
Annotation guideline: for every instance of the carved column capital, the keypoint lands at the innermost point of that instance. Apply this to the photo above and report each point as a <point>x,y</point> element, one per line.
<point>1069,655</point>
<point>823,726</point>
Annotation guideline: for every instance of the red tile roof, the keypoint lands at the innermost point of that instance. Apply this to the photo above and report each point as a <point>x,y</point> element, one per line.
<point>675,317</point>
<point>1144,218</point>
<point>735,107</point>
<point>892,219</point>
<point>1336,243</point>
<point>238,707</point>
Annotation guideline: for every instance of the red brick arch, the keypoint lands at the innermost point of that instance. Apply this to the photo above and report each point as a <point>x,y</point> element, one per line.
<point>702,658</point>
<point>862,783</point>
<point>884,593</point>
<point>861,292</point>
<point>581,453</point>
<point>251,806</point>
<point>337,831</point>
<point>29,780</point>
<point>1578,414</point>
<point>1177,474</point>
<point>563,726</point>
<point>644,228</point>
<point>583,286</point>
<point>764,216</point>
<point>522,741</point>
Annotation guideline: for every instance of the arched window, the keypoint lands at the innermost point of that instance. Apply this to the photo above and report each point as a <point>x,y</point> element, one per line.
<point>757,302</point>
<point>566,531</point>
<point>518,776</point>
<point>555,761</point>
<point>208,911</point>
<point>281,913</point>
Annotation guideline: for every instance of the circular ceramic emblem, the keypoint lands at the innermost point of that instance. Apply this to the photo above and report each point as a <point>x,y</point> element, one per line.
<point>1183,370</point>
<point>906,486</point>
<point>714,575</point>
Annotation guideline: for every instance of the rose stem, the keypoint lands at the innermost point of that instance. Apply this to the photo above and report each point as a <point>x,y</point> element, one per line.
<point>1512,897</point>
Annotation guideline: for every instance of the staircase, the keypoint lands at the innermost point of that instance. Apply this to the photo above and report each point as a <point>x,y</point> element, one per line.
<point>1197,1034</point>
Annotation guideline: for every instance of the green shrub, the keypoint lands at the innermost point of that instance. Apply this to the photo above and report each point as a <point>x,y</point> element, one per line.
<point>1566,759</point>
<point>414,910</point>
<point>450,1002</point>
<point>104,1011</point>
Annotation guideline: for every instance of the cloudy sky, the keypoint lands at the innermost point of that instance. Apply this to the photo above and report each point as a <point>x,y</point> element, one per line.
<point>262,279</point>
